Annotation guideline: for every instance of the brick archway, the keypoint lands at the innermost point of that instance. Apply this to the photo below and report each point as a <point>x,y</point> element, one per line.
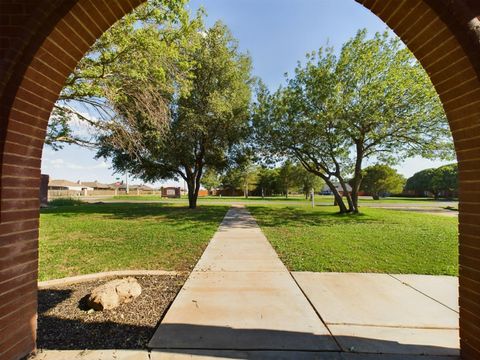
<point>42,40</point>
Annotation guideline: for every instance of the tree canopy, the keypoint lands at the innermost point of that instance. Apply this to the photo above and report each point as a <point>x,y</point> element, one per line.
<point>204,119</point>
<point>144,46</point>
<point>439,181</point>
<point>381,180</point>
<point>371,101</point>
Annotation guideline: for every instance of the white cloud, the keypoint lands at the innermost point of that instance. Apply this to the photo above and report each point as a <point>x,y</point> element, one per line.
<point>56,163</point>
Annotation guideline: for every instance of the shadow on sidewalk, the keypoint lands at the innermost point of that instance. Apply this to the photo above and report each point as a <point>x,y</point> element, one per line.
<point>196,339</point>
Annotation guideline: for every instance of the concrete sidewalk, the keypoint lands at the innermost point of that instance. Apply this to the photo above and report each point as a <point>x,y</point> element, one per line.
<point>240,302</point>
<point>240,296</point>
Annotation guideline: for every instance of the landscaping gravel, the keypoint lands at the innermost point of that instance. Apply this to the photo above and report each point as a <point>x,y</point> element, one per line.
<point>64,322</point>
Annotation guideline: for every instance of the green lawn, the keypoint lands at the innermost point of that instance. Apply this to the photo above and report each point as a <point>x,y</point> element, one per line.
<point>99,237</point>
<point>377,240</point>
<point>324,199</point>
<point>90,238</point>
<point>213,198</point>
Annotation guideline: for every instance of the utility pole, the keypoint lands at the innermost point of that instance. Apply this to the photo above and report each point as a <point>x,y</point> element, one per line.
<point>126,183</point>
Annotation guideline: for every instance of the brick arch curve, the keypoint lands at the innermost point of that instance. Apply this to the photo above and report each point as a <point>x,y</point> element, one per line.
<point>43,47</point>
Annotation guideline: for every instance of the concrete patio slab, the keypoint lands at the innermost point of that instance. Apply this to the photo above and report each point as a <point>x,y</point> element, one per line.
<point>242,310</point>
<point>443,289</point>
<point>389,340</point>
<point>372,299</point>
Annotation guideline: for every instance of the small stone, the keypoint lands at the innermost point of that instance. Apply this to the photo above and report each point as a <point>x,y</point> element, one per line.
<point>114,293</point>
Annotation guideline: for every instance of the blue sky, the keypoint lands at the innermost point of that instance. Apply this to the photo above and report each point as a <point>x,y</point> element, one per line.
<point>277,34</point>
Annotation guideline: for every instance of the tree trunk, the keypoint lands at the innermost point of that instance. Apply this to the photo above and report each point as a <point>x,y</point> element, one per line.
<point>192,194</point>
<point>376,196</point>
<point>357,176</point>
<point>351,205</point>
<point>338,201</point>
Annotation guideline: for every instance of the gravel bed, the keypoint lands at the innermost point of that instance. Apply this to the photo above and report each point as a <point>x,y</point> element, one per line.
<point>65,323</point>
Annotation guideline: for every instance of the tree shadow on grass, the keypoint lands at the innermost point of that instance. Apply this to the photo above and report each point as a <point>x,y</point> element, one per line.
<point>300,217</point>
<point>131,211</point>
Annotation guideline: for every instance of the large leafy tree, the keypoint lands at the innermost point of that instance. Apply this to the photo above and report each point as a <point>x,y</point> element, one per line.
<point>144,46</point>
<point>442,180</point>
<point>211,179</point>
<point>287,177</point>
<point>371,101</point>
<point>380,179</point>
<point>205,121</point>
<point>268,181</point>
<point>420,182</point>
<point>445,180</point>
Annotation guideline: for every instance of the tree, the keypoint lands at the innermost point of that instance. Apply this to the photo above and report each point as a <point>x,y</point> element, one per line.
<point>248,176</point>
<point>211,179</point>
<point>267,181</point>
<point>445,181</point>
<point>144,46</point>
<point>442,180</point>
<point>307,181</point>
<point>373,100</point>
<point>420,182</point>
<point>379,180</point>
<point>205,120</point>
<point>232,180</point>
<point>287,177</point>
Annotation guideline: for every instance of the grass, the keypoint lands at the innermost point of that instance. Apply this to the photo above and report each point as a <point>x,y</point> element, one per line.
<point>91,238</point>
<point>292,198</point>
<point>210,198</point>
<point>378,240</point>
<point>64,202</point>
<point>84,238</point>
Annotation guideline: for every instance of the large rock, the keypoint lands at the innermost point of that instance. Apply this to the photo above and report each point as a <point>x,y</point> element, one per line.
<point>113,293</point>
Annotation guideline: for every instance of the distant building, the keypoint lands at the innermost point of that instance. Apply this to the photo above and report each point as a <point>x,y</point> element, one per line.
<point>203,192</point>
<point>327,191</point>
<point>170,192</point>
<point>67,185</point>
<point>95,185</point>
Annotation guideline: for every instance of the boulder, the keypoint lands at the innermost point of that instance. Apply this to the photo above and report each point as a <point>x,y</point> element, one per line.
<point>114,293</point>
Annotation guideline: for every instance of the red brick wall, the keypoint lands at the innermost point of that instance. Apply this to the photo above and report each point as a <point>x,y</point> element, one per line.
<point>42,40</point>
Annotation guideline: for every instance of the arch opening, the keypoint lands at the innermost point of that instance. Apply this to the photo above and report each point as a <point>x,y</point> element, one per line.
<point>439,34</point>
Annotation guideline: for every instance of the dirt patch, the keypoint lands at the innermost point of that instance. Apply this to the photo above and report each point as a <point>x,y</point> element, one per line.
<point>65,323</point>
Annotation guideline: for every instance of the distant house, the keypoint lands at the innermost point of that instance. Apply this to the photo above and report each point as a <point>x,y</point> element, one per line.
<point>141,187</point>
<point>138,188</point>
<point>95,185</point>
<point>327,191</point>
<point>67,185</point>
